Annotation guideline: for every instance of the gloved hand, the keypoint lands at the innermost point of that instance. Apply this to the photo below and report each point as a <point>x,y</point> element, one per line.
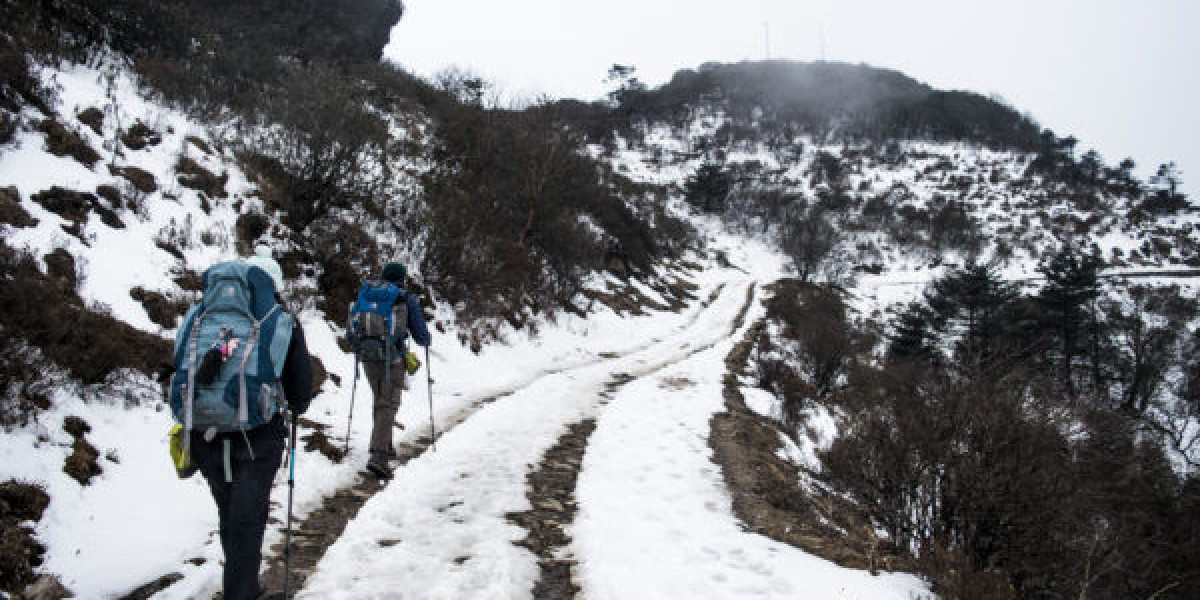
<point>164,372</point>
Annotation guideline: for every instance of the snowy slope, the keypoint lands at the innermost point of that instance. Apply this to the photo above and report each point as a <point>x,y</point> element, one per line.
<point>137,522</point>
<point>654,520</point>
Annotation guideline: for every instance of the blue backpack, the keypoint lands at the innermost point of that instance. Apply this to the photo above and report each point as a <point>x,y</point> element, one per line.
<point>370,327</point>
<point>230,352</point>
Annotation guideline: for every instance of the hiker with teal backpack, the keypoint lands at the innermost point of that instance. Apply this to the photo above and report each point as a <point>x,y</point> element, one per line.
<point>380,322</point>
<point>241,363</point>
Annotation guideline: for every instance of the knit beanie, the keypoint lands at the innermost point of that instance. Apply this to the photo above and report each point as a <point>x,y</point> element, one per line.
<point>262,259</point>
<point>394,272</point>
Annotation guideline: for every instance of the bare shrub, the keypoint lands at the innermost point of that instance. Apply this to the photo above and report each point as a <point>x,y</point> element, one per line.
<point>19,85</point>
<point>68,204</point>
<point>9,123</point>
<point>161,309</point>
<point>84,461</point>
<point>93,118</point>
<point>187,279</point>
<point>11,211</point>
<point>112,194</point>
<point>20,552</point>
<point>199,143</point>
<point>250,226</point>
<point>141,179</point>
<point>346,254</point>
<point>61,141</point>
<point>196,177</point>
<point>817,345</point>
<point>140,136</point>
<point>26,380</point>
<point>61,267</point>
<point>83,339</point>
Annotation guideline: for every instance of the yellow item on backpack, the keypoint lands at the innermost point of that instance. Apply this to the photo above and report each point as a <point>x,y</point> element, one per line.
<point>184,465</point>
<point>411,362</point>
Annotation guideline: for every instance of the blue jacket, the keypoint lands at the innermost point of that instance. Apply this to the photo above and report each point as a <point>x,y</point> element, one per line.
<point>416,321</point>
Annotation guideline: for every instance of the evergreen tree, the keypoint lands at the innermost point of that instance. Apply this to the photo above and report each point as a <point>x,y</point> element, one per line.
<point>1166,197</point>
<point>914,336</point>
<point>1066,307</point>
<point>708,188</point>
<point>973,301</point>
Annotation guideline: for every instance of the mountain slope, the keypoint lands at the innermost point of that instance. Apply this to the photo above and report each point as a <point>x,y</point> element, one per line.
<point>586,276</point>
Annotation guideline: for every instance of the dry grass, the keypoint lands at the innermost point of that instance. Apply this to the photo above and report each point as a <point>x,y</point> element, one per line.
<point>20,552</point>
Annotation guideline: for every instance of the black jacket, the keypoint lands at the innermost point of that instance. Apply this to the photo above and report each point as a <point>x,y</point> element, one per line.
<point>297,373</point>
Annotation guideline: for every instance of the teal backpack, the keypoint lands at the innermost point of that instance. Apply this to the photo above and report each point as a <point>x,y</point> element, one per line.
<point>230,352</point>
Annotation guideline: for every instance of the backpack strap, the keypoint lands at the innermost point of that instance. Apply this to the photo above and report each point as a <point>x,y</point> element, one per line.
<point>243,393</point>
<point>189,394</point>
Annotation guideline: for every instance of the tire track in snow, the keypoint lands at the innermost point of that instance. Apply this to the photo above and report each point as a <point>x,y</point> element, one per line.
<point>440,530</point>
<point>323,526</point>
<point>551,486</point>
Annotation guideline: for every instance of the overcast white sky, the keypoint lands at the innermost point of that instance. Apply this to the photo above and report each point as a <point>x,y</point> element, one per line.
<point>1120,75</point>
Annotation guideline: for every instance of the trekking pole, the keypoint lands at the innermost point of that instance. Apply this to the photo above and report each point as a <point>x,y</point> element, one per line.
<point>287,544</point>
<point>429,378</point>
<point>353,389</point>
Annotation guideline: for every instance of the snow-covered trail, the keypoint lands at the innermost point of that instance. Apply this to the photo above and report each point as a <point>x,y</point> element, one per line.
<point>439,530</point>
<point>655,517</point>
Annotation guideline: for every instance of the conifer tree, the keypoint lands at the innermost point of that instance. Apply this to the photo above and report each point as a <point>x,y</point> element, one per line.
<point>1066,307</point>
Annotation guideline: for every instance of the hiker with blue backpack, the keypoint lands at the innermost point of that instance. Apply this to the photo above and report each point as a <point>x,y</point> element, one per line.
<point>242,369</point>
<point>380,322</point>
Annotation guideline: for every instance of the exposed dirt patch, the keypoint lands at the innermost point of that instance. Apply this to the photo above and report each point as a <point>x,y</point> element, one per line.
<point>317,441</point>
<point>768,494</point>
<point>551,492</point>
<point>9,123</point>
<point>676,383</point>
<point>187,279</point>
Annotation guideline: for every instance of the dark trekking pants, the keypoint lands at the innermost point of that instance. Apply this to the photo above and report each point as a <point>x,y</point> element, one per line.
<point>241,487</point>
<point>387,402</point>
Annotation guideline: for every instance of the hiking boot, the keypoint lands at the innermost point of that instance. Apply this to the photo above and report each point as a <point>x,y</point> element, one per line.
<point>382,472</point>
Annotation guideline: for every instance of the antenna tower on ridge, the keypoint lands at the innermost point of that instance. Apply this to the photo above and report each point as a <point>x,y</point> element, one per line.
<point>767,38</point>
<point>821,35</point>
